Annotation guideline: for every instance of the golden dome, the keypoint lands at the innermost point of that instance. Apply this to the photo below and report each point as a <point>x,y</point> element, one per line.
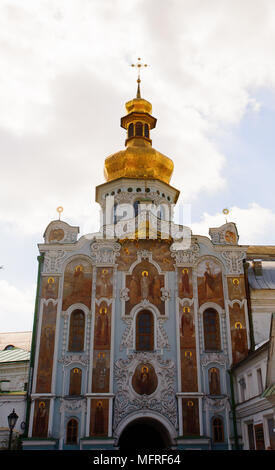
<point>139,159</point>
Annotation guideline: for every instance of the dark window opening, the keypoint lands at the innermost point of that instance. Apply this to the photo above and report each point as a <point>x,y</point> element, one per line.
<point>139,129</point>
<point>72,430</point>
<point>211,330</point>
<point>218,435</point>
<point>131,130</point>
<point>145,331</point>
<point>77,329</point>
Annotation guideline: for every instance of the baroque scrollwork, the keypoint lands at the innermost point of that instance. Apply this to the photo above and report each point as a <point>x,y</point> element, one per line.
<point>186,257</point>
<point>162,400</point>
<point>234,261</point>
<point>53,261</point>
<point>105,251</point>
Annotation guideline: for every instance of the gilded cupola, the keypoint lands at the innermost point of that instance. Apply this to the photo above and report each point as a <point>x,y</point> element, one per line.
<point>139,159</point>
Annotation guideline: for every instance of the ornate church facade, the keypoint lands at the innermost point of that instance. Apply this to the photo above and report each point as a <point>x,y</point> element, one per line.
<point>136,327</point>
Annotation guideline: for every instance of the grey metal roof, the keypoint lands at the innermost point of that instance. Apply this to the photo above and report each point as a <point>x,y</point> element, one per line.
<point>14,355</point>
<point>266,280</point>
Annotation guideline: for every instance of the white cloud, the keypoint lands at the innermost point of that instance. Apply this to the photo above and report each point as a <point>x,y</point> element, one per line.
<point>255,224</point>
<point>16,307</point>
<point>65,75</point>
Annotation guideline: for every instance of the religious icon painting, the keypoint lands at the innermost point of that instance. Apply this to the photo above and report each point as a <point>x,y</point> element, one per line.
<point>187,326</point>
<point>104,283</point>
<point>236,287</point>
<point>238,332</point>
<point>50,287</point>
<point>145,283</point>
<point>210,287</point>
<point>41,418</point>
<point>46,351</point>
<point>102,332</point>
<point>99,417</point>
<point>144,380</point>
<point>77,283</point>
<point>101,371</point>
<point>185,287</point>
<point>56,235</point>
<point>190,417</point>
<point>189,375</point>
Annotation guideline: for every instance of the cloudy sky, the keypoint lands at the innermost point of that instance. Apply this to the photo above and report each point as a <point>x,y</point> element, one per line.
<point>65,76</point>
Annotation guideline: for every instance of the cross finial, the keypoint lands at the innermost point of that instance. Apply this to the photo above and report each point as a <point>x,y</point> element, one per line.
<point>59,210</point>
<point>225,212</point>
<point>139,65</point>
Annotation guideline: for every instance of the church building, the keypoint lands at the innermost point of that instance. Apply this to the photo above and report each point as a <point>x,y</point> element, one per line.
<point>137,327</point>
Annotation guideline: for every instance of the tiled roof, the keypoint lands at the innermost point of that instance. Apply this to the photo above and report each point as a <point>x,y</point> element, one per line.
<point>14,355</point>
<point>266,280</point>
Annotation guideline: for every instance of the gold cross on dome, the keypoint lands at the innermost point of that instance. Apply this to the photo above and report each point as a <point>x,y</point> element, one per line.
<point>139,65</point>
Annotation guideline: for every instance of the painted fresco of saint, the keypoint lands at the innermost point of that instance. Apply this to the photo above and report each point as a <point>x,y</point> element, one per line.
<point>102,331</point>
<point>99,419</point>
<point>144,285</point>
<point>134,290</point>
<point>184,283</point>
<point>156,292</point>
<point>144,379</point>
<point>104,285</point>
<point>210,286</point>
<point>187,328</point>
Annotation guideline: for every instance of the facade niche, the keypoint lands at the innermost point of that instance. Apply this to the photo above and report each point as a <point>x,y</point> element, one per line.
<point>75,381</point>
<point>211,326</point>
<point>145,331</point>
<point>72,431</point>
<point>77,331</point>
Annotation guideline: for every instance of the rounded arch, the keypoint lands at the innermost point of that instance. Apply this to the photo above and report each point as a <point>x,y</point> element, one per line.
<point>145,331</point>
<point>217,425</point>
<point>145,421</point>
<point>76,257</point>
<point>211,329</point>
<point>77,329</point>
<point>72,430</point>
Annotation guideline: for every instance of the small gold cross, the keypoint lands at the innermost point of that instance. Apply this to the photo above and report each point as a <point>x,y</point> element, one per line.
<point>139,65</point>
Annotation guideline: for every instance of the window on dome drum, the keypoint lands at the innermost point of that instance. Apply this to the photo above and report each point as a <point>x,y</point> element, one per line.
<point>139,129</point>
<point>77,330</point>
<point>145,331</point>
<point>211,326</point>
<point>217,428</point>
<point>9,346</point>
<point>136,207</point>
<point>75,381</point>
<point>115,213</point>
<point>72,431</point>
<point>146,131</point>
<point>131,130</point>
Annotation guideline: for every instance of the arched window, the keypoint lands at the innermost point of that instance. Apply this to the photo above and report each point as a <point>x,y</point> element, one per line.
<point>136,207</point>
<point>115,213</point>
<point>217,430</point>
<point>75,381</point>
<point>139,128</point>
<point>72,431</point>
<point>77,330</point>
<point>145,331</point>
<point>146,131</point>
<point>212,341</point>
<point>131,130</point>
<point>214,381</point>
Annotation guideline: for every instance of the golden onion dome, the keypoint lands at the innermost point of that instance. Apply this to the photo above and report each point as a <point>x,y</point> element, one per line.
<point>139,159</point>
